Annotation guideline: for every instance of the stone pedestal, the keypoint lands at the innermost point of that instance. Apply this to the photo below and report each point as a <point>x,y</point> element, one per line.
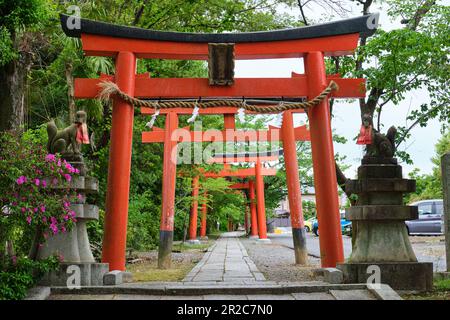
<point>73,246</point>
<point>380,237</point>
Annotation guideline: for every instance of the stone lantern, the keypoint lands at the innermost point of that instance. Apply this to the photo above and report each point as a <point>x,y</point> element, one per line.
<point>380,246</point>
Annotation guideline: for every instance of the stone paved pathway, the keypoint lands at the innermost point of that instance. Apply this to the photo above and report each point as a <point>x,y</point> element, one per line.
<point>226,261</point>
<point>225,272</point>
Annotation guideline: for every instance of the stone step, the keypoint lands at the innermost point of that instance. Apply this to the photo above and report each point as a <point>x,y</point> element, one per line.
<point>314,291</point>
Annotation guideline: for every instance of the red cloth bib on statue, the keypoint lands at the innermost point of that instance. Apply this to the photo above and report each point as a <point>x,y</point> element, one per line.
<point>82,133</point>
<point>365,135</point>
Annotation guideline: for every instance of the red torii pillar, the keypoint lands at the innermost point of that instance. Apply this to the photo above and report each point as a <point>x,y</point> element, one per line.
<point>246,215</point>
<point>168,193</point>
<point>253,215</point>
<point>331,245</point>
<point>204,217</point>
<point>117,196</point>
<point>194,212</point>
<point>261,207</point>
<point>293,185</point>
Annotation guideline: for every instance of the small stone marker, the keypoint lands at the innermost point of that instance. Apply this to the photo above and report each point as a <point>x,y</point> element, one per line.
<point>117,277</point>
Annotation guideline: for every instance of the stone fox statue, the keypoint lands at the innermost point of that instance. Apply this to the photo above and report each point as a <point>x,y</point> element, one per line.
<point>377,144</point>
<point>68,140</point>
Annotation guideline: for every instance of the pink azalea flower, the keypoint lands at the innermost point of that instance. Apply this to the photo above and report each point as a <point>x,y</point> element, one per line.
<point>63,229</point>
<point>68,177</point>
<point>42,208</point>
<point>37,182</point>
<point>44,183</point>
<point>29,220</point>
<point>50,158</point>
<point>54,228</point>
<point>21,180</point>
<point>23,209</point>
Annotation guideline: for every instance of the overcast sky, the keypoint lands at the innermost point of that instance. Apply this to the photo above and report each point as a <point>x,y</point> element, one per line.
<point>346,120</point>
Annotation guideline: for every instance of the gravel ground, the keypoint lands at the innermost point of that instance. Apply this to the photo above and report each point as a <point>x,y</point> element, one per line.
<point>276,262</point>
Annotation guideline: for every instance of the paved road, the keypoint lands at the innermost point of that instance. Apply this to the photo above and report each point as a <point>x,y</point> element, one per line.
<point>427,249</point>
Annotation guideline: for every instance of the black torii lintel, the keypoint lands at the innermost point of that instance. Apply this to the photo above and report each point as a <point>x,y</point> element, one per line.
<point>364,25</point>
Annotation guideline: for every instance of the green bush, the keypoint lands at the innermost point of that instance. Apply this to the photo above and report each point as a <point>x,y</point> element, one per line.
<point>20,274</point>
<point>29,203</point>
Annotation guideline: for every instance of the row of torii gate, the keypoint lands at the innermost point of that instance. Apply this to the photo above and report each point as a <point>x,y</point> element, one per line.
<point>253,188</point>
<point>312,43</point>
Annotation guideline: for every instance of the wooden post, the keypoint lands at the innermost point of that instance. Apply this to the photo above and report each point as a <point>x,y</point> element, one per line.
<point>253,214</point>
<point>117,196</point>
<point>194,211</point>
<point>204,217</point>
<point>294,192</point>
<point>445,169</point>
<point>246,216</point>
<point>261,207</point>
<point>168,193</point>
<point>331,246</point>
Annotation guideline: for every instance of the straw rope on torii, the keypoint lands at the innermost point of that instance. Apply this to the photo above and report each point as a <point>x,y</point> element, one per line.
<point>110,88</point>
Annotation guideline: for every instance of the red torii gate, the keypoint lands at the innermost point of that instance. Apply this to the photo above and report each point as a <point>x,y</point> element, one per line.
<point>243,186</point>
<point>312,43</point>
<point>240,173</point>
<point>258,229</point>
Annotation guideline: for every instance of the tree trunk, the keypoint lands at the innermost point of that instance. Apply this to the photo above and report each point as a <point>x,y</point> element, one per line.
<point>13,81</point>
<point>70,92</point>
<point>34,250</point>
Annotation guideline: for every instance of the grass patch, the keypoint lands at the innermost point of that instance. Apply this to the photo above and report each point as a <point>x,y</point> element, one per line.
<point>442,285</point>
<point>183,247</point>
<point>214,235</point>
<point>148,271</point>
<point>441,291</point>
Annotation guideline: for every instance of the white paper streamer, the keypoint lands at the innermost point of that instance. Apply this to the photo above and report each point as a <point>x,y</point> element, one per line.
<point>153,119</point>
<point>194,114</point>
<point>241,115</point>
